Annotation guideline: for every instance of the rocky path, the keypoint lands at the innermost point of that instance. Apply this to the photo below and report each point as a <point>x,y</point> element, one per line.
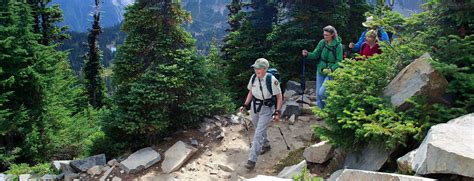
<point>224,160</point>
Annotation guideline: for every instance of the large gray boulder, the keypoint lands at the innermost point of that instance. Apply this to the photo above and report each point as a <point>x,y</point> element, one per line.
<point>86,163</point>
<point>266,178</point>
<point>176,156</point>
<point>447,149</point>
<point>6,177</point>
<point>419,78</point>
<point>319,152</point>
<point>405,162</point>
<point>57,163</point>
<point>371,158</point>
<point>290,171</point>
<point>350,175</point>
<point>140,160</point>
<point>291,108</point>
<point>294,86</point>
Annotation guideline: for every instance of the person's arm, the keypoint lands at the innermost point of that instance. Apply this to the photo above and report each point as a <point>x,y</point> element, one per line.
<point>247,101</point>
<point>317,51</point>
<point>359,43</point>
<point>339,57</point>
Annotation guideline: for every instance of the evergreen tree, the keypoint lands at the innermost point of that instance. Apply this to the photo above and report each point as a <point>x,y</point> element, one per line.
<point>94,83</point>
<point>244,46</point>
<point>161,84</point>
<point>300,27</point>
<point>45,19</point>
<point>40,98</point>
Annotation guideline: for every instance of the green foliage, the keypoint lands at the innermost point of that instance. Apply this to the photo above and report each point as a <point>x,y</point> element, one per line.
<point>162,84</point>
<point>41,101</point>
<point>357,114</point>
<point>23,168</point>
<point>303,30</point>
<point>306,176</point>
<point>243,46</point>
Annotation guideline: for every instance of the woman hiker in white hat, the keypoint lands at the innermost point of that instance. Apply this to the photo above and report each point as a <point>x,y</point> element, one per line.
<point>370,24</point>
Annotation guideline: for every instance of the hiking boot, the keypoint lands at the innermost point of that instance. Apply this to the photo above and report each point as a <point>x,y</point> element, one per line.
<point>265,149</point>
<point>250,165</point>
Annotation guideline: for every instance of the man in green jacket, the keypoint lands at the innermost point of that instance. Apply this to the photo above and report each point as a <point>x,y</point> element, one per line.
<point>328,53</point>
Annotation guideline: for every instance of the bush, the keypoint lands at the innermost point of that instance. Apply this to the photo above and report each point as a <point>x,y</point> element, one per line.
<point>23,168</point>
<point>357,114</point>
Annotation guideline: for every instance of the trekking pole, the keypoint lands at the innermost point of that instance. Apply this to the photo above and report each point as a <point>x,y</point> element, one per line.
<point>303,83</point>
<point>240,114</point>
<point>287,147</point>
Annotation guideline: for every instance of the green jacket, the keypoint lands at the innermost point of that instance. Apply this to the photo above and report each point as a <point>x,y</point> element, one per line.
<point>324,54</point>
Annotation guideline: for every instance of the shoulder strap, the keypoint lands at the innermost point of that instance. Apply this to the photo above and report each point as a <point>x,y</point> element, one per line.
<point>268,80</point>
<point>253,78</point>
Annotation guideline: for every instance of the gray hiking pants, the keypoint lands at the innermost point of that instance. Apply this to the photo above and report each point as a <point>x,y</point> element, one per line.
<point>261,121</point>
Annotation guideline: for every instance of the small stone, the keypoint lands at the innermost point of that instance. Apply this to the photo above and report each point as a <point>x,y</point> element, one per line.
<point>234,138</point>
<point>113,162</point>
<point>292,119</point>
<point>226,168</point>
<point>213,172</point>
<point>194,142</point>
<point>95,170</point>
<point>224,149</point>
<point>116,179</point>
<point>122,171</point>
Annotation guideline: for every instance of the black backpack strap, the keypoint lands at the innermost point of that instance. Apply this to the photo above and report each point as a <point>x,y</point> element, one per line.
<point>253,78</point>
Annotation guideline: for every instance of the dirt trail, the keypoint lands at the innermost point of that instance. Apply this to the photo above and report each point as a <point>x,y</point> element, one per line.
<point>233,150</point>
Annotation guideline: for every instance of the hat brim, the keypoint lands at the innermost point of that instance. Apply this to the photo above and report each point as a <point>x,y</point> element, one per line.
<point>256,66</point>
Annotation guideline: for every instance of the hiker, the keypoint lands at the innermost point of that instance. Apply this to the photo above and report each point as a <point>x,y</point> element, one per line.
<point>328,53</point>
<point>265,100</point>
<point>370,46</point>
<point>370,25</point>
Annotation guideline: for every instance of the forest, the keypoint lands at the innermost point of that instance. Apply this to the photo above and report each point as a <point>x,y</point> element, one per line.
<point>158,82</point>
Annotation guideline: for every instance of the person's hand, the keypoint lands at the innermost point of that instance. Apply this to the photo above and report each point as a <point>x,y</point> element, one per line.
<point>351,45</point>
<point>276,116</point>
<point>242,109</point>
<point>305,53</point>
<point>326,71</point>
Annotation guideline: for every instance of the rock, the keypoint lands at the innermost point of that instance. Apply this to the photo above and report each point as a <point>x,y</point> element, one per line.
<point>235,119</point>
<point>116,179</point>
<point>140,160</point>
<point>95,170</point>
<point>310,87</point>
<point>307,109</point>
<point>319,153</point>
<point>106,174</point>
<point>349,175</point>
<point>291,108</point>
<point>226,168</point>
<point>49,177</point>
<point>57,163</point>
<point>220,136</point>
<point>6,177</point>
<point>206,126</point>
<point>304,99</point>
<point>69,172</point>
<point>289,94</point>
<point>113,162</point>
<point>194,142</point>
<point>84,164</point>
<point>419,78</point>
<point>290,171</point>
<point>176,156</point>
<point>265,178</point>
<point>447,149</point>
<point>294,86</point>
<point>404,163</point>
<point>24,177</point>
<point>372,159</point>
<point>292,119</point>
<point>213,172</point>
